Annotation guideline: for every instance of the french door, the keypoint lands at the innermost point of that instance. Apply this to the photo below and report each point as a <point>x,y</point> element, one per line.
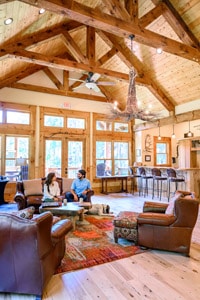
<point>64,156</point>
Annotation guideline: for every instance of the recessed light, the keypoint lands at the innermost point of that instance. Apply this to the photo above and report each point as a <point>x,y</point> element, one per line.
<point>41,11</point>
<point>159,50</point>
<point>8,21</point>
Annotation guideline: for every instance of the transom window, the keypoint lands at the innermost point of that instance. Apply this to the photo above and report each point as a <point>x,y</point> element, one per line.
<point>15,117</point>
<point>53,121</point>
<point>76,123</point>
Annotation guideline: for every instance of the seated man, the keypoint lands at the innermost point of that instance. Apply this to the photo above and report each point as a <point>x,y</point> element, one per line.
<point>79,189</point>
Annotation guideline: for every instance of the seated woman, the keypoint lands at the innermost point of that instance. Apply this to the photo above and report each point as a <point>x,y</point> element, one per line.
<point>51,188</point>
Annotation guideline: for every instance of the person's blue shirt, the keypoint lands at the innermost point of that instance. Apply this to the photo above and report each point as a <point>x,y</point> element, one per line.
<point>80,186</point>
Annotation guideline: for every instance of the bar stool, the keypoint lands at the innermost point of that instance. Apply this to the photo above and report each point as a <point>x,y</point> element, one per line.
<point>172,177</point>
<point>158,178</point>
<point>133,176</point>
<point>144,177</point>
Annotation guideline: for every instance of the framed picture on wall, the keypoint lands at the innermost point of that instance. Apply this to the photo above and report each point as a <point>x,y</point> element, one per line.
<point>147,157</point>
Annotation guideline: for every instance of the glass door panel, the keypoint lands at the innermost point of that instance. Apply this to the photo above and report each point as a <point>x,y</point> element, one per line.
<point>53,152</point>
<point>75,157</point>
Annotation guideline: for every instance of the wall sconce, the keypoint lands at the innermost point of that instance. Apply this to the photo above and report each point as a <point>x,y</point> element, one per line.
<point>173,134</point>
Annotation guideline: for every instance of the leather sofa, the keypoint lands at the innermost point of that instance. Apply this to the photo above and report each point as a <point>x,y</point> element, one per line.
<point>30,251</point>
<point>34,197</point>
<point>168,226</point>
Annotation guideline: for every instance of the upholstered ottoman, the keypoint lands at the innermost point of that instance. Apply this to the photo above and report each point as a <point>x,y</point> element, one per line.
<point>125,226</point>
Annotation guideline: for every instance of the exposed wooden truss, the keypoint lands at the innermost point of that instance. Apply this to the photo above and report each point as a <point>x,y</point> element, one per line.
<point>112,21</point>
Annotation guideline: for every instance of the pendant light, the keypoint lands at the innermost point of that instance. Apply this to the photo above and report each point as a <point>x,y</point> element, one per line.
<point>173,134</point>
<point>159,136</point>
<point>189,134</point>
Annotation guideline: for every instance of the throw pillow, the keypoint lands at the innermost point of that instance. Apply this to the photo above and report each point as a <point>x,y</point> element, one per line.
<point>26,213</point>
<point>170,207</point>
<point>32,187</point>
<point>66,184</point>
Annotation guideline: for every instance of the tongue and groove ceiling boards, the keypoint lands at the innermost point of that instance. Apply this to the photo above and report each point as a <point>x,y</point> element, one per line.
<point>73,39</point>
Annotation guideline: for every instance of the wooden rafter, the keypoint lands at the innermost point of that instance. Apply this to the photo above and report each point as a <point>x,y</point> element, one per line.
<point>133,60</point>
<point>108,23</point>
<point>177,23</point>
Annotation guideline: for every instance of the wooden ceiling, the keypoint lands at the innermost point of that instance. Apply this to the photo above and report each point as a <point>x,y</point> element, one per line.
<point>73,38</point>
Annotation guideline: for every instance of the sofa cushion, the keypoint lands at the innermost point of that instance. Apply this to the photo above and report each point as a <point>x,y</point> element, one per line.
<point>170,208</point>
<point>32,187</point>
<point>66,185</point>
<point>26,213</point>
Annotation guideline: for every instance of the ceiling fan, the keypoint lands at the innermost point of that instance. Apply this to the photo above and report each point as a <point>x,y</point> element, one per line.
<point>91,82</point>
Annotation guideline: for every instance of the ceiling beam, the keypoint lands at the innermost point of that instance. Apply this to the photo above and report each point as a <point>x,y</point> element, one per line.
<point>63,64</point>
<point>179,26</point>
<point>152,15</point>
<point>95,18</point>
<point>138,65</point>
<point>179,118</point>
<point>41,89</point>
<point>73,47</point>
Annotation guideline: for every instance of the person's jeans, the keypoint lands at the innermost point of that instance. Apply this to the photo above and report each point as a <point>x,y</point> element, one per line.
<point>70,197</point>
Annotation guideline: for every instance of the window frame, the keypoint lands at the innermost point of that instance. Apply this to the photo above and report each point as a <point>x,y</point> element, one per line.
<point>167,141</point>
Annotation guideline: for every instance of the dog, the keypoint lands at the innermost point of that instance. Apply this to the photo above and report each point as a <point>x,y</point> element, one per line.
<point>99,209</point>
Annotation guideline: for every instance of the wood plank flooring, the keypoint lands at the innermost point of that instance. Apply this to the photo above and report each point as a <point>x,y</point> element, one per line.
<point>150,275</point>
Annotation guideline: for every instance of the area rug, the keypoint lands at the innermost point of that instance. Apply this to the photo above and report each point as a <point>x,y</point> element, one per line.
<point>92,243</point>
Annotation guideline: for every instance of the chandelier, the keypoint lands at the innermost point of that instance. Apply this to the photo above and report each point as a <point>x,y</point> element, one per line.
<point>132,110</point>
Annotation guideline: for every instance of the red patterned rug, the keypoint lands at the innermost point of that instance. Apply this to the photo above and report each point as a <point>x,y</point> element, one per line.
<point>92,243</point>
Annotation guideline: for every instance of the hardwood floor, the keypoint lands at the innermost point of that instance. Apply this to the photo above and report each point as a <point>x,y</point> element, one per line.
<point>150,275</point>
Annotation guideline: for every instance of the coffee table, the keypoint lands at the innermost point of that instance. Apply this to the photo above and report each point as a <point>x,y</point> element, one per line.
<point>72,210</point>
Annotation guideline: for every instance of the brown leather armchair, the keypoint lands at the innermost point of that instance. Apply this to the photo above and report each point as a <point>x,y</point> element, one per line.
<point>170,231</point>
<point>31,251</point>
<point>35,199</point>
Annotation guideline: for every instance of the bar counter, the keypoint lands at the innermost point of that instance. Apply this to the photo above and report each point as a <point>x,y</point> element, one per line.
<point>191,175</point>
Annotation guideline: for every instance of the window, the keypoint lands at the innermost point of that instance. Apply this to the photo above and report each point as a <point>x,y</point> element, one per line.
<point>162,151</point>
<point>121,127</point>
<point>112,158</point>
<point>16,148</point>
<point>76,123</point>
<point>53,121</point>
<point>103,125</point>
<point>18,117</point>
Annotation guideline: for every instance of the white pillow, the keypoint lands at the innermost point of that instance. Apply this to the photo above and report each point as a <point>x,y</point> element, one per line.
<point>32,187</point>
<point>66,184</point>
<point>170,208</point>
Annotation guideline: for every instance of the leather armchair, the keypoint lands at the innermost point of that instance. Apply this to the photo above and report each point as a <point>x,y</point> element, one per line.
<point>24,201</point>
<point>168,231</point>
<point>31,251</point>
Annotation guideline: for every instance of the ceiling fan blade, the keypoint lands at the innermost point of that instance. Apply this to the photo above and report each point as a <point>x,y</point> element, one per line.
<point>75,79</point>
<point>105,83</point>
<point>94,77</point>
<point>92,86</point>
